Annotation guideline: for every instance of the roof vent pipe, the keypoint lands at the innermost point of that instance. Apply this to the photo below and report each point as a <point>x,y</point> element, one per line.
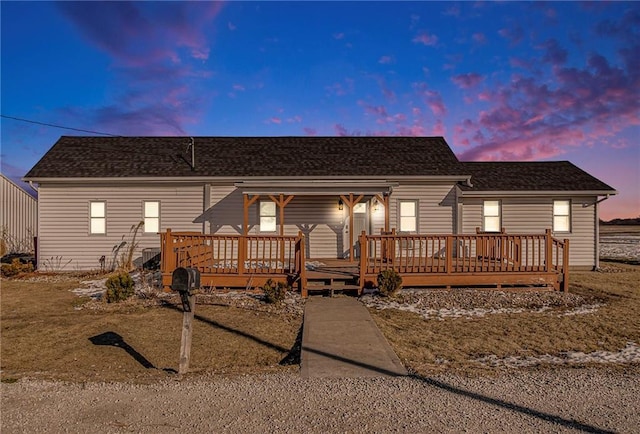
<point>193,153</point>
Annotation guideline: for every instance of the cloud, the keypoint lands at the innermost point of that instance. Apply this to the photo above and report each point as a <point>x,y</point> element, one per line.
<point>466,81</point>
<point>231,26</point>
<point>529,118</point>
<point>514,34</point>
<point>479,38</point>
<point>238,87</point>
<point>426,39</point>
<point>554,54</point>
<point>385,60</point>
<point>274,120</point>
<point>310,131</point>
<point>158,53</point>
<point>338,36</point>
<point>432,98</point>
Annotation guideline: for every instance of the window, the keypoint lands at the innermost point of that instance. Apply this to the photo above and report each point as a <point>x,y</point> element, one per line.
<point>267,216</point>
<point>561,216</point>
<point>151,217</point>
<point>360,208</point>
<point>408,215</point>
<point>491,216</point>
<point>97,217</point>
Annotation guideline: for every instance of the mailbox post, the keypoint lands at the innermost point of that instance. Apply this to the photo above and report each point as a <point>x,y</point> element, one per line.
<point>185,281</point>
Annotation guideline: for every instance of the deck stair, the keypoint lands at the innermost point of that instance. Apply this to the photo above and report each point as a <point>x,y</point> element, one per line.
<point>333,277</point>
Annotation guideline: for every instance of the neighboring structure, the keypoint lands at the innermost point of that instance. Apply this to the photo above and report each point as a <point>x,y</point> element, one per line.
<point>18,218</point>
<point>92,190</point>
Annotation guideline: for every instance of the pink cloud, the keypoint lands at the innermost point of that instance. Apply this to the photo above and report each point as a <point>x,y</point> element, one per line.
<point>438,129</point>
<point>479,38</point>
<point>426,39</point>
<point>385,60</point>
<point>155,51</point>
<point>530,119</point>
<point>466,81</point>
<point>274,120</point>
<point>338,36</point>
<point>310,131</point>
<point>514,34</point>
<point>238,87</point>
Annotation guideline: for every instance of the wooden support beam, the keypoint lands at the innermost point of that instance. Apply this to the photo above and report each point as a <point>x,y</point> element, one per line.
<point>247,203</point>
<point>350,202</point>
<point>384,200</point>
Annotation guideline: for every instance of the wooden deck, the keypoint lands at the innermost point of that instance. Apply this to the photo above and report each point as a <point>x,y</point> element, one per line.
<point>238,261</point>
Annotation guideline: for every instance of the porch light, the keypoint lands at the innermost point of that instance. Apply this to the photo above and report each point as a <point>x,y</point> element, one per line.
<point>340,205</point>
<point>374,207</point>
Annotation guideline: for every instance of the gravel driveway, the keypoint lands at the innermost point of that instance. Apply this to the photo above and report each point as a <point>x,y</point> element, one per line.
<point>560,400</point>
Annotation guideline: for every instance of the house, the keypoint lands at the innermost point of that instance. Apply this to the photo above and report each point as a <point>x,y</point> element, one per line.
<point>92,190</point>
<point>18,218</point>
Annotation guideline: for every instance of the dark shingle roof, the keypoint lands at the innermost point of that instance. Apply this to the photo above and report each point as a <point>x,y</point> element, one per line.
<point>246,157</point>
<point>530,176</point>
<point>80,157</point>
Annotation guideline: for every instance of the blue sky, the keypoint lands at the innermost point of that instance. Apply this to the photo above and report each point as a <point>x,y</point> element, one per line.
<point>499,80</point>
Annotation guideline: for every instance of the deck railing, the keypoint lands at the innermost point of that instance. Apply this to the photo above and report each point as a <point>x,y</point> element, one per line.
<point>460,254</point>
<point>448,259</point>
<point>232,255</point>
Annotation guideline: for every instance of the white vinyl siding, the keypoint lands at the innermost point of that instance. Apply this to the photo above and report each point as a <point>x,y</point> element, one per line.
<point>408,216</point>
<point>436,208</point>
<point>267,216</point>
<point>561,216</point>
<point>491,216</point>
<point>64,219</point>
<point>534,215</point>
<point>151,210</point>
<point>97,217</point>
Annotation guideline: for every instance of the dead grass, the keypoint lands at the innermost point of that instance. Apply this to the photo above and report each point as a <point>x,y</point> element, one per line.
<point>45,335</point>
<point>434,345</point>
<point>619,229</point>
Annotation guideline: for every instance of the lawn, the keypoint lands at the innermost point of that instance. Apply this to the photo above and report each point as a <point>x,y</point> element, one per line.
<point>433,345</point>
<point>50,332</point>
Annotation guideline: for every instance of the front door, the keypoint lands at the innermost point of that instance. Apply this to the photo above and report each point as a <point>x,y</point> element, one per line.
<point>360,223</point>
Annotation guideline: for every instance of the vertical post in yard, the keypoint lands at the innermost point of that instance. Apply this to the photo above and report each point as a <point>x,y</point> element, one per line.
<point>187,332</point>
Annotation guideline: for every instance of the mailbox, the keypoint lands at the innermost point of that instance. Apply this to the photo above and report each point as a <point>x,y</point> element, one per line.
<point>185,281</point>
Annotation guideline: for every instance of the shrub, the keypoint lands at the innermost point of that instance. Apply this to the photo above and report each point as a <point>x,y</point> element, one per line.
<point>16,267</point>
<point>119,287</point>
<point>275,292</point>
<point>389,283</point>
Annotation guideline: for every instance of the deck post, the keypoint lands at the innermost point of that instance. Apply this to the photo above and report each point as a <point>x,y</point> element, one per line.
<point>364,253</point>
<point>449,254</point>
<point>168,255</point>
<point>565,266</point>
<point>548,250</point>
<point>242,254</point>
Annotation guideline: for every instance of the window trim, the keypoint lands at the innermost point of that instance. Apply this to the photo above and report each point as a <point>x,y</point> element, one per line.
<point>260,216</point>
<point>92,218</point>
<point>144,217</point>
<point>416,216</point>
<point>484,216</point>
<point>554,215</point>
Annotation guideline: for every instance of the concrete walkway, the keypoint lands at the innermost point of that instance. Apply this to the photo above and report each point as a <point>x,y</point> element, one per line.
<point>340,339</point>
